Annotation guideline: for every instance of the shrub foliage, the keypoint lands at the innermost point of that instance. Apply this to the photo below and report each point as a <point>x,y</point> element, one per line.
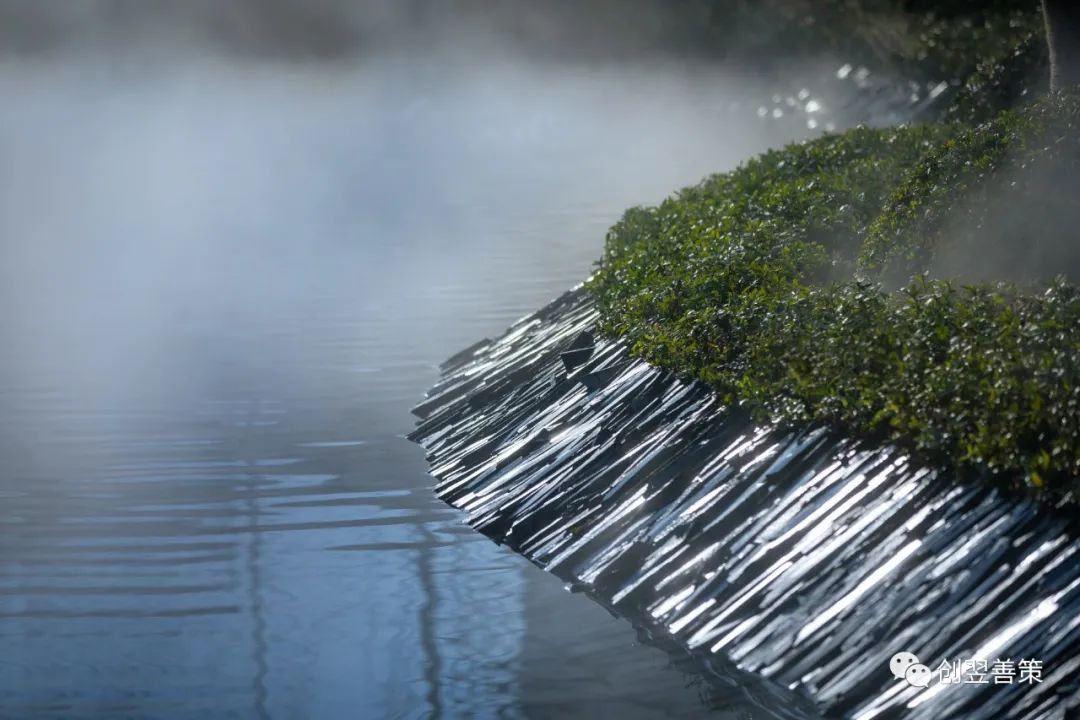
<point>765,282</point>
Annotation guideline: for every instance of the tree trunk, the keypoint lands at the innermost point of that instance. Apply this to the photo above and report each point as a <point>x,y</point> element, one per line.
<point>1063,37</point>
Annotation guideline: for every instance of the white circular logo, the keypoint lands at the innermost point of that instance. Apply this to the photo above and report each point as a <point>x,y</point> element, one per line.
<point>900,663</point>
<point>918,675</point>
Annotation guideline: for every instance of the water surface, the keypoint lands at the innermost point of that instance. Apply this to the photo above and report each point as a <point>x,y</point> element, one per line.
<point>222,286</point>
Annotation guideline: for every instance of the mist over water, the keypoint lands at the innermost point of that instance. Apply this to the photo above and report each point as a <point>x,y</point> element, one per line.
<point>224,279</point>
<point>141,202</point>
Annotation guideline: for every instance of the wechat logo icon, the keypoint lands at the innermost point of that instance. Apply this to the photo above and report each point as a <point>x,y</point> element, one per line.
<point>905,666</point>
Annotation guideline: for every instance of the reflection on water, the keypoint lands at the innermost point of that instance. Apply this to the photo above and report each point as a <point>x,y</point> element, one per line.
<point>221,289</point>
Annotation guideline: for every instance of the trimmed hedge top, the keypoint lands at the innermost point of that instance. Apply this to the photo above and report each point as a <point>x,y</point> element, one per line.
<point>765,282</point>
<point>993,199</point>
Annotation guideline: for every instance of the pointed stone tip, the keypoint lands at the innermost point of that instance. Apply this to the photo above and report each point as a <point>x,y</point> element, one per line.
<point>579,351</point>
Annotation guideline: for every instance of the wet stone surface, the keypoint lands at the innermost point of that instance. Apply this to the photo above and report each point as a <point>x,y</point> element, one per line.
<point>790,567</point>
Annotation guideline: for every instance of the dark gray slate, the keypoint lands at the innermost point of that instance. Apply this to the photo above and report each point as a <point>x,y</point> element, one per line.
<point>791,565</point>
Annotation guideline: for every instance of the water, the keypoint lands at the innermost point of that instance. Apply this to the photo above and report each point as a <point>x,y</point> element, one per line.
<point>222,285</point>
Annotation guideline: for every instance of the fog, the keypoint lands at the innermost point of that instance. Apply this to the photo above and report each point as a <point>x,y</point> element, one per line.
<point>1019,226</point>
<point>343,29</point>
<point>157,201</point>
<point>231,258</point>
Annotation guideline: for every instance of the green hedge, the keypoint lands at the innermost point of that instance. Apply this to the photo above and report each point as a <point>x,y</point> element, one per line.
<point>997,191</point>
<point>751,281</point>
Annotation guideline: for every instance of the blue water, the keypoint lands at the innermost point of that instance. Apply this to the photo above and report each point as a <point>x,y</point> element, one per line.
<point>222,286</point>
